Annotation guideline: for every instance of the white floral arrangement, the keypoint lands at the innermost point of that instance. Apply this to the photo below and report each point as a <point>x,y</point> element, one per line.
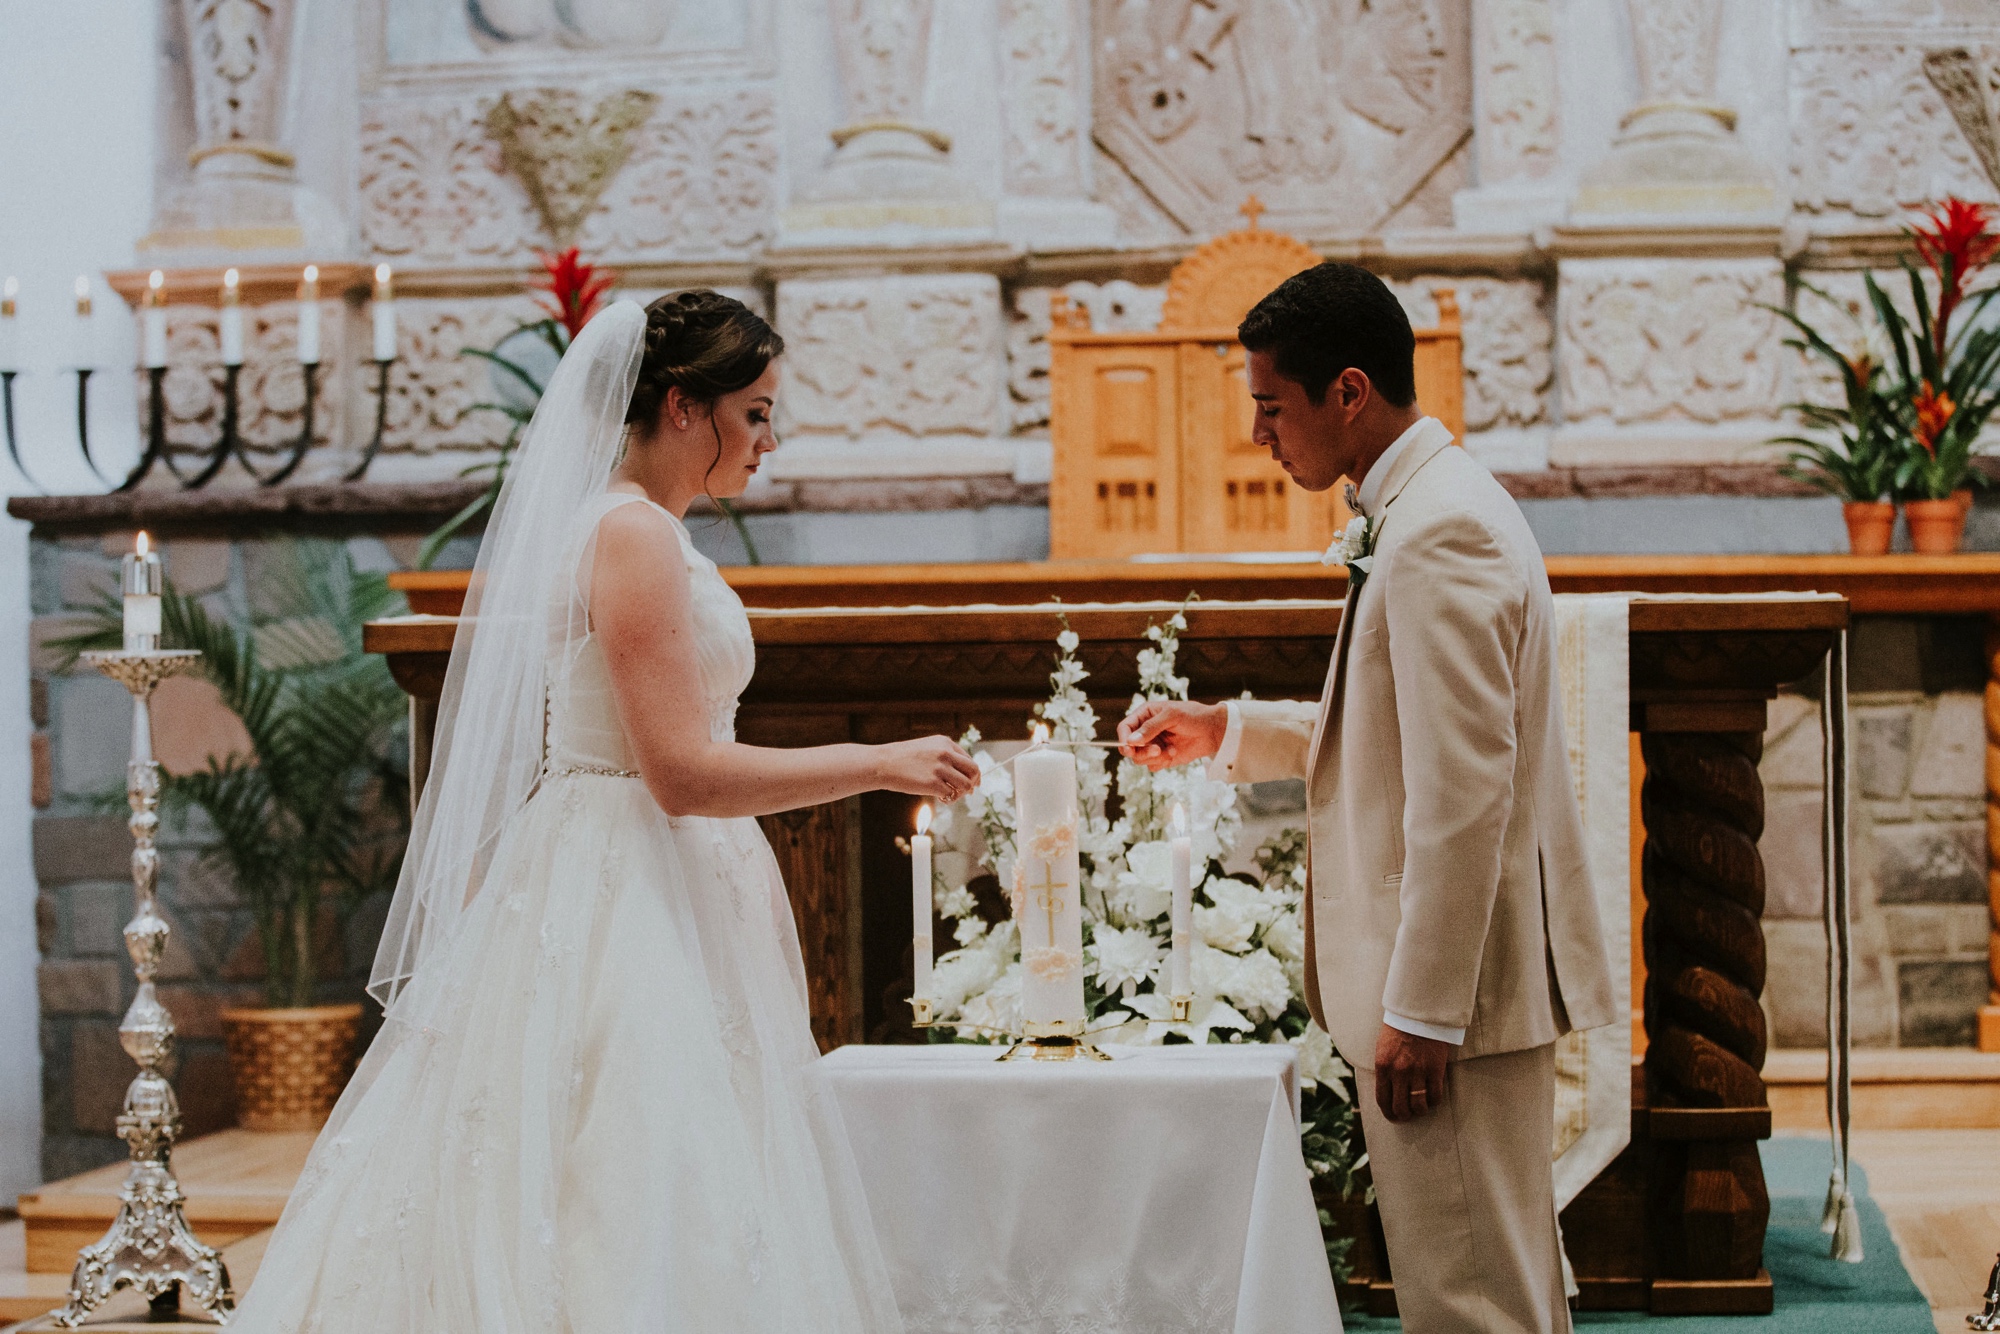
<point>1248,973</point>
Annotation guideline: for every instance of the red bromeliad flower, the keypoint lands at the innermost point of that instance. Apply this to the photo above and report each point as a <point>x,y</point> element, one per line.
<point>1955,241</point>
<point>1934,411</point>
<point>577,288</point>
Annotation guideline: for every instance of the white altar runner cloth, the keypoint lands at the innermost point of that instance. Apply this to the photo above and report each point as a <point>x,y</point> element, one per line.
<point>1161,1191</point>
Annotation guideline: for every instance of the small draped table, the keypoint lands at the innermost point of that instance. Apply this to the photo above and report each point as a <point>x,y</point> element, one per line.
<point>1161,1191</point>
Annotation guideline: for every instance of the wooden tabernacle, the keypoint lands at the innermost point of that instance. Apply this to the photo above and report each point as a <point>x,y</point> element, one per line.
<point>1151,430</point>
<point>1677,1223</point>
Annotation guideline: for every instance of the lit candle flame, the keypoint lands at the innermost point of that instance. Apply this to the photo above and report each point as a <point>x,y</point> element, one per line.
<point>1177,825</point>
<point>924,818</point>
<point>312,273</point>
<point>145,542</point>
<point>382,275</point>
<point>230,281</point>
<point>83,294</point>
<point>156,280</point>
<point>1040,736</point>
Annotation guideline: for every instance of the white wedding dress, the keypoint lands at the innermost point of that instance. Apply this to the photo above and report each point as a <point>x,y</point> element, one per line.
<point>603,1120</point>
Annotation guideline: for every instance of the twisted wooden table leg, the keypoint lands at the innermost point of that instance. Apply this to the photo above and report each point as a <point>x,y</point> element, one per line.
<point>1989,1014</point>
<point>1704,944</point>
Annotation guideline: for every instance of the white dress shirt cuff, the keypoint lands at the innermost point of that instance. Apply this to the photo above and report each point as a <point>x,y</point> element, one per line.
<point>1418,1028</point>
<point>1224,760</point>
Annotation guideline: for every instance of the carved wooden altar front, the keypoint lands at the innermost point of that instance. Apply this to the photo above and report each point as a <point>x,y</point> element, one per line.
<point>1677,1223</point>
<point>1152,431</point>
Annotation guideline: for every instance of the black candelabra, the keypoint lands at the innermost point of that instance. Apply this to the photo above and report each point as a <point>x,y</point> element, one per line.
<point>209,460</point>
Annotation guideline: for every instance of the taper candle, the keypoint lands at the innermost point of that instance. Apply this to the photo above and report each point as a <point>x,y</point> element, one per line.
<point>141,581</point>
<point>921,909</point>
<point>86,327</point>
<point>9,345</point>
<point>385,315</point>
<point>309,317</point>
<point>232,319</point>
<point>1181,883</point>
<point>155,320</point>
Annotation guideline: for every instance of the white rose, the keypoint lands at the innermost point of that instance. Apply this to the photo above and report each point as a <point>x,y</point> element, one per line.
<point>1286,936</point>
<point>1317,1063</point>
<point>1256,982</point>
<point>1225,927</point>
<point>1144,883</point>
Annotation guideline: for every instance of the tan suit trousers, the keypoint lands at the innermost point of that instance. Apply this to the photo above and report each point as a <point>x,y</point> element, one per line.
<point>1468,1201</point>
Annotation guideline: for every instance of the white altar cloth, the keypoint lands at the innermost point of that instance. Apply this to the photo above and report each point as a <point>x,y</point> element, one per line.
<point>1162,1191</point>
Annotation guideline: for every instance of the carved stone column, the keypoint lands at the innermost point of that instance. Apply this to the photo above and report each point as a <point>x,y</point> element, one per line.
<point>888,167</point>
<point>1517,142</point>
<point>1676,151</point>
<point>244,194</point>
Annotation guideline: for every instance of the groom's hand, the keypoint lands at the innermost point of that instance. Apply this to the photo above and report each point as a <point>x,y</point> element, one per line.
<point>1162,733</point>
<point>1409,1074</point>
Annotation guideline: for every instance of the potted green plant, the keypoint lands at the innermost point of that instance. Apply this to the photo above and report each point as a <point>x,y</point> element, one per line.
<point>1950,372</point>
<point>1858,465</point>
<point>311,822</point>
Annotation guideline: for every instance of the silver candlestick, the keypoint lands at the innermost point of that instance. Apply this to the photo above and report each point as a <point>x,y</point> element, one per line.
<point>150,1246</point>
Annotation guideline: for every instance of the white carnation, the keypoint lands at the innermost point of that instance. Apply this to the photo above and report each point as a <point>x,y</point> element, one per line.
<point>1317,1062</point>
<point>1124,956</point>
<point>1286,936</point>
<point>1257,984</point>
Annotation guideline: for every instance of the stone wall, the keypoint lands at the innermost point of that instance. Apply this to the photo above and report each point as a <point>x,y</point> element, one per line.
<point>82,848</point>
<point>1918,842</point>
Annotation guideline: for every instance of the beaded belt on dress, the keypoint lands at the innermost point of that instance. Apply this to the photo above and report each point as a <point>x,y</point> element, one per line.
<point>598,770</point>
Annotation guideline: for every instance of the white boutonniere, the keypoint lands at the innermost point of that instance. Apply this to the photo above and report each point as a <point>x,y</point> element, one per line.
<point>1354,547</point>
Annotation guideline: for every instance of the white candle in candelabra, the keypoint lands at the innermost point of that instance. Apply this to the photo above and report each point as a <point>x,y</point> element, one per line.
<point>232,319</point>
<point>86,326</point>
<point>1181,884</point>
<point>309,317</point>
<point>921,910</point>
<point>9,294</point>
<point>385,315</point>
<point>1048,885</point>
<point>155,320</point>
<point>140,580</point>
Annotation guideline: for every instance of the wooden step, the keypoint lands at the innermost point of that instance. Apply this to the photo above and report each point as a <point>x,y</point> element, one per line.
<point>1906,1088</point>
<point>236,1183</point>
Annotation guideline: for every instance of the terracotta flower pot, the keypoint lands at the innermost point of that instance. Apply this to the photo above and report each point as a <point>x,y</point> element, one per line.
<point>1870,525</point>
<point>1936,526</point>
<point>290,1065</point>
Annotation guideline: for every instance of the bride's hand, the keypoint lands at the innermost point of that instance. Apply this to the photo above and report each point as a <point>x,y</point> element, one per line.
<point>931,766</point>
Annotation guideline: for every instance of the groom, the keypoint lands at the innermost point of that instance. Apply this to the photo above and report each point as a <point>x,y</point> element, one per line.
<point>1451,932</point>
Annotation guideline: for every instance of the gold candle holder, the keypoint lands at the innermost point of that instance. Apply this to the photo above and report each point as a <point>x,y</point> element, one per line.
<point>1179,1008</point>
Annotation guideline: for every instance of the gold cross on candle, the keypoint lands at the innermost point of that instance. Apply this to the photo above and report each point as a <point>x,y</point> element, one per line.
<point>1046,897</point>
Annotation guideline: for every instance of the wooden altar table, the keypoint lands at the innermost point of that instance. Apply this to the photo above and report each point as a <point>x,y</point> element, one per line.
<point>1677,1223</point>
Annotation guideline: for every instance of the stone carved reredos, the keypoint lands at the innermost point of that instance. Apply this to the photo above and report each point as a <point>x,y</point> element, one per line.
<point>236,58</point>
<point>1039,78</point>
<point>271,386</point>
<point>1670,340</point>
<point>1517,123</point>
<point>564,154</point>
<point>1509,350</point>
<point>700,182</point>
<point>1201,102</point>
<point>1871,136</point>
<point>883,46</point>
<point>605,25</point>
<point>1962,80</point>
<point>909,356</point>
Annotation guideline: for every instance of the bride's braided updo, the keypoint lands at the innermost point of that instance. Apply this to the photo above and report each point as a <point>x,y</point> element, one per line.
<point>704,343</point>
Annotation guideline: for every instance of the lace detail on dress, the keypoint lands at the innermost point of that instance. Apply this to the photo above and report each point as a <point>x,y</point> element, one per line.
<point>1043,1300</point>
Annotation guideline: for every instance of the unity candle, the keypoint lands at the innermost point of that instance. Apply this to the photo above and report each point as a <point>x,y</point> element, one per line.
<point>140,581</point>
<point>232,319</point>
<point>1047,886</point>
<point>921,910</point>
<point>309,317</point>
<point>385,315</point>
<point>155,320</point>
<point>1180,883</point>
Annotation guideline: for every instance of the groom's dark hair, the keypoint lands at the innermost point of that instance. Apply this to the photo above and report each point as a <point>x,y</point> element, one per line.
<point>1331,318</point>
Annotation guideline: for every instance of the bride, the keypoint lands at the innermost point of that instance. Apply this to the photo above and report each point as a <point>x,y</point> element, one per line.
<point>587,1111</point>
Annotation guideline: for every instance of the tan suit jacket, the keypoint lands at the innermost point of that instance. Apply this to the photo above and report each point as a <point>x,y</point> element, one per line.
<point>1449,881</point>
